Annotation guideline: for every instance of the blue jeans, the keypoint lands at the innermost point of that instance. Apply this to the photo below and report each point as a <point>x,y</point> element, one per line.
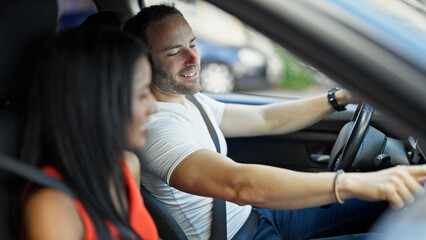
<point>319,223</point>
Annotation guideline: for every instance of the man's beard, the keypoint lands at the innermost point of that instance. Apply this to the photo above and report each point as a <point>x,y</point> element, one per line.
<point>164,80</point>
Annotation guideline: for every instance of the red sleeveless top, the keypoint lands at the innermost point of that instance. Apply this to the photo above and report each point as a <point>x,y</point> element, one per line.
<point>139,217</point>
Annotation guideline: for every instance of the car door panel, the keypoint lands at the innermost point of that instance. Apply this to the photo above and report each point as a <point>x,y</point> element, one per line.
<point>305,150</point>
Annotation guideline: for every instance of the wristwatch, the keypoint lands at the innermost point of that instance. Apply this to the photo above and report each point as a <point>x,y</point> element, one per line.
<point>332,99</point>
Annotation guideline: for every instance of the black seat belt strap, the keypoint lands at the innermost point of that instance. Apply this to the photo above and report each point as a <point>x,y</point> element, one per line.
<point>32,173</point>
<point>219,229</point>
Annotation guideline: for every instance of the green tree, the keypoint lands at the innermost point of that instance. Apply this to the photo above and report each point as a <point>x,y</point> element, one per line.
<point>296,76</point>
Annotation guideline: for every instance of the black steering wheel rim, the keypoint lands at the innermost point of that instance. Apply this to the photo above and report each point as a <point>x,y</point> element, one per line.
<point>362,118</point>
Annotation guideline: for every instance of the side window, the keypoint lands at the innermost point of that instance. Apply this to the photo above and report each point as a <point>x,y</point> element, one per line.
<point>236,58</point>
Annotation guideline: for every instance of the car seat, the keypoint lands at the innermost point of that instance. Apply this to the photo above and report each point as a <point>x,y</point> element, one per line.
<point>167,227</point>
<point>106,20</point>
<point>23,25</point>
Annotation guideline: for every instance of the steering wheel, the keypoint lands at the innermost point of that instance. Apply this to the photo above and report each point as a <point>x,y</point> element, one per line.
<point>345,156</point>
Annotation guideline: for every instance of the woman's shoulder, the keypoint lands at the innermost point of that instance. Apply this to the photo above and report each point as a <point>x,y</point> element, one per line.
<point>51,214</point>
<point>133,164</point>
<point>131,160</point>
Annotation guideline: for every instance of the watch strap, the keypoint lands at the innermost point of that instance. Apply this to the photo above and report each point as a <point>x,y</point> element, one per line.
<point>331,96</point>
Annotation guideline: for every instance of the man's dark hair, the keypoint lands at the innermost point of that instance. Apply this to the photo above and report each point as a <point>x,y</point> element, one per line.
<point>138,25</point>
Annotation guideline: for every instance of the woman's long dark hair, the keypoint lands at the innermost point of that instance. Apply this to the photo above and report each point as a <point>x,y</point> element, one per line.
<point>80,108</point>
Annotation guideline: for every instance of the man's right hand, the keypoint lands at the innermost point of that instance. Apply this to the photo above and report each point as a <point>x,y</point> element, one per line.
<point>399,185</point>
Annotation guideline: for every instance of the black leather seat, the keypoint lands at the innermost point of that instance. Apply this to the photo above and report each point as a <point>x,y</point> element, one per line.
<point>106,20</point>
<point>23,25</point>
<point>167,227</point>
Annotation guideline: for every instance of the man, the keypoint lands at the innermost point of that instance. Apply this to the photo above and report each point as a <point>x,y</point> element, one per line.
<point>183,170</point>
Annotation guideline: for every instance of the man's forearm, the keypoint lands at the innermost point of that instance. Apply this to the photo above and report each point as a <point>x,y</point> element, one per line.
<point>278,118</point>
<point>295,115</point>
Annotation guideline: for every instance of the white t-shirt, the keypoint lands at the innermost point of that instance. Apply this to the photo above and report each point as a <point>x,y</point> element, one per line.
<point>174,132</point>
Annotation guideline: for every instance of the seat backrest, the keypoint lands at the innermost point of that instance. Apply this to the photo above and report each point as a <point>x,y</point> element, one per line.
<point>167,227</point>
<point>107,20</point>
<point>23,25</point>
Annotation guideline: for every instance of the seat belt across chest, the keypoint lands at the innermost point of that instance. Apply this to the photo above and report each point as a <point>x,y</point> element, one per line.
<point>219,224</point>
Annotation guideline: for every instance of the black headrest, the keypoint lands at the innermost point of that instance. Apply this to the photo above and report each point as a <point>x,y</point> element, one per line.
<point>107,19</point>
<point>23,25</point>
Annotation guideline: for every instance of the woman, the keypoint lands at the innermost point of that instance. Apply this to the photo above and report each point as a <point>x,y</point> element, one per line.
<point>89,105</point>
